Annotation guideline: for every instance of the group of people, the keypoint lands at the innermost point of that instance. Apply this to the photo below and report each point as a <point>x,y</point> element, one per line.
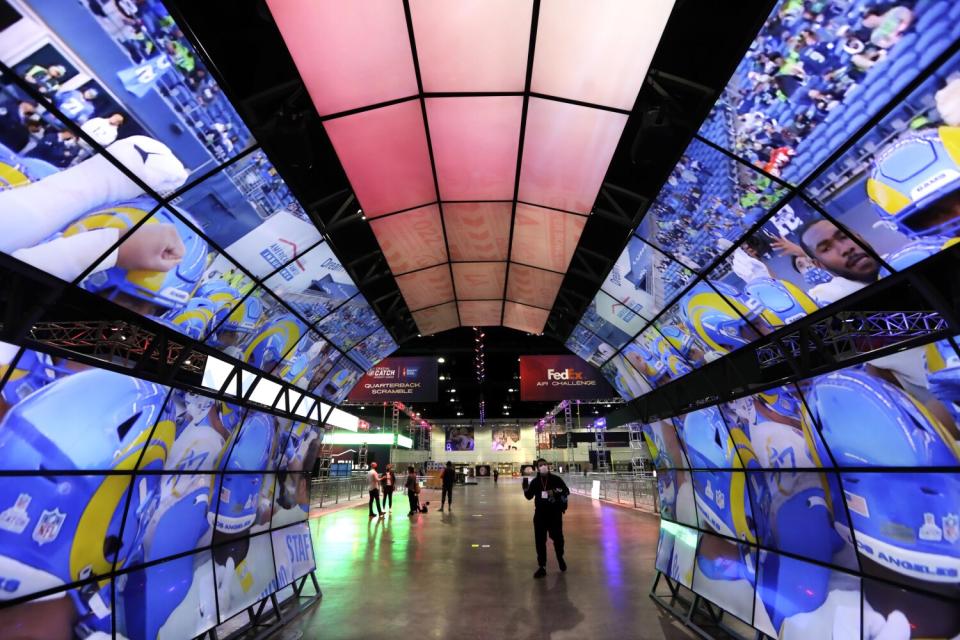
<point>383,484</point>
<point>548,491</point>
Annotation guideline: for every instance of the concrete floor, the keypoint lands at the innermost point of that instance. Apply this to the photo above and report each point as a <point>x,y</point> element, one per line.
<point>468,574</point>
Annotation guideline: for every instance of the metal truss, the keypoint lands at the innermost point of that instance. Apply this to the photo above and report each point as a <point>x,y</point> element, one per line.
<point>116,341</point>
<point>851,333</point>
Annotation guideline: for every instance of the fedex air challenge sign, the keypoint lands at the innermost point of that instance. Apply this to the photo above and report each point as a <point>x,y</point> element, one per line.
<point>560,378</point>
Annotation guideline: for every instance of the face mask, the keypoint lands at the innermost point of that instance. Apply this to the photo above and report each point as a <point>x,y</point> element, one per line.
<point>543,469</point>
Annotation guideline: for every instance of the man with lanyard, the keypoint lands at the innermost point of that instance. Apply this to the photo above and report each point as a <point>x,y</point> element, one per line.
<point>549,493</point>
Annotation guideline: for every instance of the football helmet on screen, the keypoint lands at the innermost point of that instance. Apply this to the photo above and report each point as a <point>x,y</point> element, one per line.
<point>914,177</point>
<point>866,421</point>
<point>77,520</point>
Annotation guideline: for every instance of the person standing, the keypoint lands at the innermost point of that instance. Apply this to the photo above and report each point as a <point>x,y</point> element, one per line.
<point>413,490</point>
<point>388,482</point>
<point>496,476</point>
<point>448,477</point>
<point>549,493</point>
<point>373,484</point>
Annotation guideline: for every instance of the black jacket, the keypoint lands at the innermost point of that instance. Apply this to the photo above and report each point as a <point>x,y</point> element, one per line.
<point>557,492</point>
<point>449,476</point>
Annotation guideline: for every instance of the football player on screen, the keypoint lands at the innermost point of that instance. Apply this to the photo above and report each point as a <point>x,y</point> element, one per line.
<point>58,529</point>
<point>914,184</point>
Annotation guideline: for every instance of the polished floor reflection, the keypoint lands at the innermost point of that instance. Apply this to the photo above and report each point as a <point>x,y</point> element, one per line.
<point>468,574</point>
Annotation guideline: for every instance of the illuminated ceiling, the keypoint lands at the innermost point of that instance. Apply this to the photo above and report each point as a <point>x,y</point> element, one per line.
<point>475,135</point>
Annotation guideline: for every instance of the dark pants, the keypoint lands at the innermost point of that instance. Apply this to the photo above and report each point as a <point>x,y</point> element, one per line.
<point>375,495</point>
<point>414,502</point>
<point>388,497</point>
<point>552,524</point>
<point>446,495</point>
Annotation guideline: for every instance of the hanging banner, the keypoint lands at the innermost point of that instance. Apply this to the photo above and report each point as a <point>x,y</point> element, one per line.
<point>405,379</point>
<point>565,377</point>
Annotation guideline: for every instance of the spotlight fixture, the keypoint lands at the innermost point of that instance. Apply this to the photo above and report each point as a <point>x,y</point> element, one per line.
<point>441,360</point>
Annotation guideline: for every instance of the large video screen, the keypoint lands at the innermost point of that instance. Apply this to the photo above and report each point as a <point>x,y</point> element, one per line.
<point>164,485</point>
<point>809,490</point>
<point>817,72</point>
<point>590,347</point>
<point>707,203</point>
<point>125,169</point>
<point>819,78</point>
<point>902,178</point>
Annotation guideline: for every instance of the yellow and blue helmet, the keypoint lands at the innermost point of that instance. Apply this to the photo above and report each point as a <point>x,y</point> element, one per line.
<point>866,421</point>
<point>245,317</point>
<point>222,297</point>
<point>32,371</point>
<point>678,338</point>
<point>913,177</point>
<point>16,171</point>
<point>277,337</point>
<point>167,289</point>
<point>775,303</point>
<point>72,523</point>
<point>722,498</point>
<point>195,319</point>
<point>709,316</point>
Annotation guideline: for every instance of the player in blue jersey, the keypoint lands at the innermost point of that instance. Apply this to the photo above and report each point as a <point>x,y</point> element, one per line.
<point>77,104</point>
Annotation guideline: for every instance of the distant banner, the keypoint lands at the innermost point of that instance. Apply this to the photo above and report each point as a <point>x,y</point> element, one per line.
<point>404,379</point>
<point>140,78</point>
<point>564,377</point>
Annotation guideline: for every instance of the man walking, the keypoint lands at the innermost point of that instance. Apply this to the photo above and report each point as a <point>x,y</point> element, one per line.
<point>373,484</point>
<point>549,493</point>
<point>448,476</point>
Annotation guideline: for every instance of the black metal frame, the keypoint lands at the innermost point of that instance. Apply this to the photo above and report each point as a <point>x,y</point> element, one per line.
<point>256,628</point>
<point>684,608</point>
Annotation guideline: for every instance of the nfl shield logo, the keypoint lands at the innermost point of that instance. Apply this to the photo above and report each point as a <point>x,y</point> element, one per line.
<point>951,527</point>
<point>48,527</point>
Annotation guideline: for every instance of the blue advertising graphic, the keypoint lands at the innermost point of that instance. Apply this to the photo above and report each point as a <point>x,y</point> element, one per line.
<point>404,379</point>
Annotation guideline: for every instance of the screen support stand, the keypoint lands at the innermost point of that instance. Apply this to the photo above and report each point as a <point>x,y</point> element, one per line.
<point>264,622</point>
<point>683,604</point>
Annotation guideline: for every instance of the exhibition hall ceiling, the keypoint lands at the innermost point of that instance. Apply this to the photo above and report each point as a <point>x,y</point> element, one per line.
<point>475,136</point>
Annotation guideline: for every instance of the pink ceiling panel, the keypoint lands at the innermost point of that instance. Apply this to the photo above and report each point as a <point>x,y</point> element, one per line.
<point>436,319</point>
<point>472,45</point>
<point>384,152</point>
<point>411,240</point>
<point>479,280</point>
<point>475,145</point>
<point>545,238</point>
<point>524,318</point>
<point>349,54</point>
<point>597,51</point>
<point>427,287</point>
<point>566,152</point>
<point>478,230</point>
<point>531,286</point>
<point>480,313</point>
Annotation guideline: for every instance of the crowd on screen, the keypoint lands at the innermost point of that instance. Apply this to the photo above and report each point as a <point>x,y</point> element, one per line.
<point>809,55</point>
<point>145,29</point>
<point>708,201</point>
